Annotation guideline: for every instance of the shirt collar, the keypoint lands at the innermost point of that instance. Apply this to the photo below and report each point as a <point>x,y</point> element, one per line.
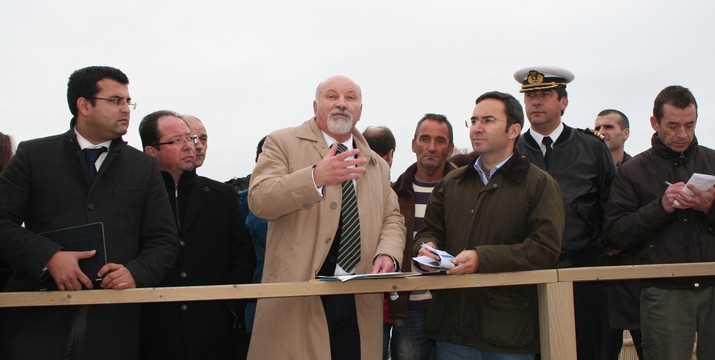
<point>86,144</point>
<point>554,134</point>
<point>482,174</point>
<point>330,141</point>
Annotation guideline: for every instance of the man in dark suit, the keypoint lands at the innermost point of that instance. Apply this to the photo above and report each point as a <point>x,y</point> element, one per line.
<point>52,184</point>
<point>215,250</point>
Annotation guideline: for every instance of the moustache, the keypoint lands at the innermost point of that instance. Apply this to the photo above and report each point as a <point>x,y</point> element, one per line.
<point>341,112</point>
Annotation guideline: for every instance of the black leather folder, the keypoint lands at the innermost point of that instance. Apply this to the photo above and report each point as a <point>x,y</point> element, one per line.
<point>81,238</point>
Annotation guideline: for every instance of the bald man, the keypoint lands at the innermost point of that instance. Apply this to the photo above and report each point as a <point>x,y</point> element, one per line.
<point>197,129</point>
<point>298,185</point>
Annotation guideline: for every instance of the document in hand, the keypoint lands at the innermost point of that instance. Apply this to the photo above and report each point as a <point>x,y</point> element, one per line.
<point>702,182</point>
<point>442,264</point>
<point>81,238</point>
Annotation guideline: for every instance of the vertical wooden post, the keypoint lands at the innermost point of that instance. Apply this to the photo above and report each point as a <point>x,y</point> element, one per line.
<point>556,321</point>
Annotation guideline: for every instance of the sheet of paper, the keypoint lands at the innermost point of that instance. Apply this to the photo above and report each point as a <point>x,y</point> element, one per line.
<point>386,275</point>
<point>702,182</point>
<point>444,258</point>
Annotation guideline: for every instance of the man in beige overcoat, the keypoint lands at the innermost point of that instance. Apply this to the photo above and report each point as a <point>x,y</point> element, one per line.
<point>296,185</point>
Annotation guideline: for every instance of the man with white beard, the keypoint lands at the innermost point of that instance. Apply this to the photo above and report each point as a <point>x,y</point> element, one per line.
<point>330,212</point>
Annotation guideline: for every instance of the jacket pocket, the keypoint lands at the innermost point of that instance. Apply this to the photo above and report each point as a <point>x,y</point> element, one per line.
<point>509,321</point>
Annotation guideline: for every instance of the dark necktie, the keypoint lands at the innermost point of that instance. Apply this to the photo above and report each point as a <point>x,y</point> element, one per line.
<point>547,143</point>
<point>92,155</point>
<point>349,248</point>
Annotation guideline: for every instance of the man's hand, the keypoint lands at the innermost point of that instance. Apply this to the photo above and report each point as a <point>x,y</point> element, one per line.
<point>383,264</point>
<point>700,200</point>
<point>467,262</point>
<point>64,269</point>
<point>671,195</point>
<point>116,276</point>
<point>424,252</point>
<point>334,169</point>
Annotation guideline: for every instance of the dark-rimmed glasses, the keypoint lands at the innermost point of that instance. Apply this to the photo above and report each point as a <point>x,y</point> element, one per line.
<point>179,142</point>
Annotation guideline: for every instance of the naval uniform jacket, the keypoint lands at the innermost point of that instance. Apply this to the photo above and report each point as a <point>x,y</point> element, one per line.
<point>584,169</point>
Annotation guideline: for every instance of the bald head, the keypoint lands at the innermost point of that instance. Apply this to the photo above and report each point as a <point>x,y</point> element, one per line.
<point>337,106</point>
<point>197,128</point>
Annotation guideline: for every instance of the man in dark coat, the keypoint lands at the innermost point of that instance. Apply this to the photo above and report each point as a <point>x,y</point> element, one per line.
<point>50,185</point>
<point>215,250</point>
<point>622,296</point>
<point>582,165</point>
<point>650,210</point>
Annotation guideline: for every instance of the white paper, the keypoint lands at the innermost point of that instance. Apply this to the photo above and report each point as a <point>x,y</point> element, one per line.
<point>385,275</point>
<point>443,263</point>
<point>702,182</point>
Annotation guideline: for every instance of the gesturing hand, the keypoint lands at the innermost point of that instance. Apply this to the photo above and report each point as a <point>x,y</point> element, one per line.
<point>334,169</point>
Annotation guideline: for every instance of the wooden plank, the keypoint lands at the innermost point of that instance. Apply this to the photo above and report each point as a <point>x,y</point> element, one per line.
<point>636,271</point>
<point>251,291</point>
<point>556,321</point>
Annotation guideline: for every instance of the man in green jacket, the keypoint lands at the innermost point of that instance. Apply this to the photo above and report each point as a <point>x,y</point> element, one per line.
<point>509,216</point>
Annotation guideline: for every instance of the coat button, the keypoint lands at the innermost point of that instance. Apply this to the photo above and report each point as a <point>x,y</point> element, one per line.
<point>184,307</point>
<point>182,243</point>
<point>306,205</point>
<point>333,205</point>
<point>90,207</point>
<point>697,285</point>
<point>205,188</point>
<point>183,274</point>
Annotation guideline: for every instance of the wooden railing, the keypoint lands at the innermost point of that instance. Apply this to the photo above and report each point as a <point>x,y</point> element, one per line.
<point>555,288</point>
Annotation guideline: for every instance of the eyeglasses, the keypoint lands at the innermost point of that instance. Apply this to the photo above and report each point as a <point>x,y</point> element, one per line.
<point>488,121</point>
<point>179,142</point>
<point>117,101</point>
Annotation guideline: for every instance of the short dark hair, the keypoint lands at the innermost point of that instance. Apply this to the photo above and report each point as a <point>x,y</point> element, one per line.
<point>380,139</point>
<point>623,122</point>
<point>438,118</point>
<point>149,128</point>
<point>259,147</point>
<point>675,95</point>
<point>6,151</point>
<point>83,83</point>
<point>514,112</point>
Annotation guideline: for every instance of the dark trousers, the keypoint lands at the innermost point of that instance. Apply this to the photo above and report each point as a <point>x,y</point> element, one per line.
<point>343,329</point>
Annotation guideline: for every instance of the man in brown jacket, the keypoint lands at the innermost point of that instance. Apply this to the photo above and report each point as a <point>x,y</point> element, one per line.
<point>432,144</point>
<point>297,185</point>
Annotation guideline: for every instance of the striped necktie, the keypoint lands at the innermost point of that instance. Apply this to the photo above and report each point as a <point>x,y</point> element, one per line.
<point>349,248</point>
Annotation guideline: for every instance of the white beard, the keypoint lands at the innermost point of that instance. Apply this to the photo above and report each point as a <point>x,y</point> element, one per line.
<point>340,125</point>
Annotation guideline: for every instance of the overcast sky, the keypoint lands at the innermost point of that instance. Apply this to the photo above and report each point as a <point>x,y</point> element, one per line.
<point>247,68</point>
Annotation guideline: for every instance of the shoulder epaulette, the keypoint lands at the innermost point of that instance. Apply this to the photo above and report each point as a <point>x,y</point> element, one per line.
<point>594,133</point>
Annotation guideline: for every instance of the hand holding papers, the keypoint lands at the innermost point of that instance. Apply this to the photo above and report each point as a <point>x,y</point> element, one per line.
<point>443,263</point>
<point>702,182</point>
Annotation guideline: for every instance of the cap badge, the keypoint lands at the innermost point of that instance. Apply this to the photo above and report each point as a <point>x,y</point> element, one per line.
<point>535,77</point>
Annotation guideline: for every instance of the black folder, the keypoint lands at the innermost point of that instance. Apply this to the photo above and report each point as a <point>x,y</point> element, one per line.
<point>81,238</point>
